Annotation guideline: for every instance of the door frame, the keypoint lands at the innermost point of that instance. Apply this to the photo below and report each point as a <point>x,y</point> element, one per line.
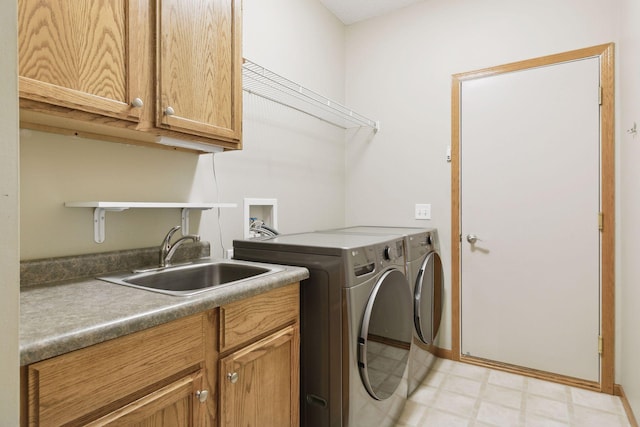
<point>605,53</point>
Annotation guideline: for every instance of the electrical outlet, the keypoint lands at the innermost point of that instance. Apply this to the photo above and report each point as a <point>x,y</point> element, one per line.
<point>423,211</point>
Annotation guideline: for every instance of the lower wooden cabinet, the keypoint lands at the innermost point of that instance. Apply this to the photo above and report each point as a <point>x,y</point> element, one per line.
<point>260,383</point>
<point>182,373</point>
<point>176,404</point>
<point>260,360</point>
<point>84,385</point>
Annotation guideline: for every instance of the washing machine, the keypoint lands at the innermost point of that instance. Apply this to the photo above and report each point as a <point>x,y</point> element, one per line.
<point>356,324</point>
<point>425,274</point>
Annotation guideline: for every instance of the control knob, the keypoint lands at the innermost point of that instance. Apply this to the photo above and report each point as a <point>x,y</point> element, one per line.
<point>389,253</point>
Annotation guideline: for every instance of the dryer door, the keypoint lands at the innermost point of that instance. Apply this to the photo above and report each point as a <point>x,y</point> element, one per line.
<point>427,299</point>
<point>385,335</point>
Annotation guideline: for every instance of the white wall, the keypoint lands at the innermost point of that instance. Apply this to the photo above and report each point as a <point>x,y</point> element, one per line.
<point>56,168</point>
<point>9,220</point>
<point>399,71</point>
<point>628,290</point>
<point>287,155</point>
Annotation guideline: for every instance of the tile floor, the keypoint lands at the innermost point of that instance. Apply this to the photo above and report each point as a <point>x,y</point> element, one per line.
<point>458,394</point>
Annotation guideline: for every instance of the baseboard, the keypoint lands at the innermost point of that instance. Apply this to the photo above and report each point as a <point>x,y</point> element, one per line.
<point>532,373</point>
<point>619,391</point>
<point>443,353</point>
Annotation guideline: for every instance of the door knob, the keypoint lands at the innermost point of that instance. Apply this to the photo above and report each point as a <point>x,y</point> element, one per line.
<point>472,238</point>
<point>232,377</point>
<point>137,103</point>
<point>202,395</point>
<point>169,111</point>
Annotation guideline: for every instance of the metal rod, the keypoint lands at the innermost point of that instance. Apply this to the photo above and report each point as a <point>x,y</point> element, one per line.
<point>259,81</point>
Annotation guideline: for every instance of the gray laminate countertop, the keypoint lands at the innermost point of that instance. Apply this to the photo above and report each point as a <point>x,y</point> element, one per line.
<point>59,318</point>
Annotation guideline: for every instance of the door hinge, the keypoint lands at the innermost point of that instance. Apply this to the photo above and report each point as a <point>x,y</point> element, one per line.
<point>600,95</point>
<point>460,237</point>
<point>600,344</point>
<point>600,221</point>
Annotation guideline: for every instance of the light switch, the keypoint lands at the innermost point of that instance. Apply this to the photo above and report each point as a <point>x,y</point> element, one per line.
<point>423,211</point>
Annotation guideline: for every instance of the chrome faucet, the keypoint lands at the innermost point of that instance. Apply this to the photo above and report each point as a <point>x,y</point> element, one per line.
<point>168,250</point>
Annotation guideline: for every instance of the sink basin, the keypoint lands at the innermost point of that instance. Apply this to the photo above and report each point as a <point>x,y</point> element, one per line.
<point>191,279</point>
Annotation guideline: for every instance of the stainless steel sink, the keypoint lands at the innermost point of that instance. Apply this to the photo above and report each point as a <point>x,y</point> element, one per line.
<point>191,279</point>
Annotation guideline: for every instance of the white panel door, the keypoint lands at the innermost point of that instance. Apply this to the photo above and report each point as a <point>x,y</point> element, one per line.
<point>530,173</point>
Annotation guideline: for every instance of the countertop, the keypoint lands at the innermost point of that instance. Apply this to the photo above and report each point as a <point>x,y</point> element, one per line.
<point>59,318</point>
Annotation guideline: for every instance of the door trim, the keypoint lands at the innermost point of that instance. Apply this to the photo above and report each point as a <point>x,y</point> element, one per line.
<point>605,53</point>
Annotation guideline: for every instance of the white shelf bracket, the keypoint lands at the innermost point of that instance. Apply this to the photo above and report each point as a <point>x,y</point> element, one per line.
<point>98,225</point>
<point>185,221</point>
<point>99,221</point>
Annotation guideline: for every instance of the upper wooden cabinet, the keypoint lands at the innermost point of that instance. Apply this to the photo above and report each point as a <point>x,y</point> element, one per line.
<point>80,55</point>
<point>133,70</point>
<point>199,67</point>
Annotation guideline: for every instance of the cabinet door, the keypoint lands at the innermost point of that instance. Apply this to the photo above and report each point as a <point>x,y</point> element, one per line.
<point>260,383</point>
<point>88,382</point>
<point>175,405</point>
<point>199,67</point>
<point>83,55</point>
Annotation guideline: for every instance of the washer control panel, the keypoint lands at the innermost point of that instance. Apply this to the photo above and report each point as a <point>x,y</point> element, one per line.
<point>421,244</point>
<point>364,262</point>
<point>389,253</point>
<point>392,252</point>
<point>422,240</point>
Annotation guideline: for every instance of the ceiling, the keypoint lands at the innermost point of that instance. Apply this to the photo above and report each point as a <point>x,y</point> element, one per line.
<point>351,11</point>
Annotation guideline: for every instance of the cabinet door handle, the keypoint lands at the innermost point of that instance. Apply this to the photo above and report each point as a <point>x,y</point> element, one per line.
<point>137,103</point>
<point>233,377</point>
<point>202,395</point>
<point>169,111</point>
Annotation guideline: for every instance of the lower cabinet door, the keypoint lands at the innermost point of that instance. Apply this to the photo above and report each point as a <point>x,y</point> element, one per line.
<point>177,404</point>
<point>260,383</point>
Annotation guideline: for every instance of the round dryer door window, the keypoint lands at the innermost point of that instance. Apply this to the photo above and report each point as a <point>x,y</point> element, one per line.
<point>385,335</point>
<point>428,298</point>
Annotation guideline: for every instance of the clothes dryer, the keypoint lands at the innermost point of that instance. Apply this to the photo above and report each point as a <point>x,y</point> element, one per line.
<point>356,325</point>
<point>425,274</point>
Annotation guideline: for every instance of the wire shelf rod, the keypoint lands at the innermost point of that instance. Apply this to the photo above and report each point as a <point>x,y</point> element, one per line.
<point>262,82</point>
